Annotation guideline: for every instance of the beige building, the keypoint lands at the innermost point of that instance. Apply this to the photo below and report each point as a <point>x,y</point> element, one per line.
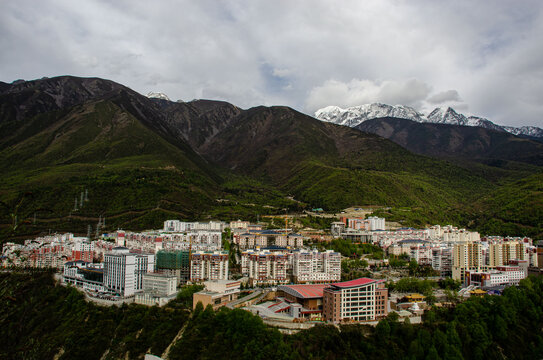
<point>209,266</point>
<point>467,256</point>
<point>268,238</point>
<point>217,293</point>
<point>356,300</point>
<point>264,267</point>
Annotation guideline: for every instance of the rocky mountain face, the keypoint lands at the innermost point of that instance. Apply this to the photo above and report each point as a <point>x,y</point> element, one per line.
<point>471,143</point>
<point>354,116</point>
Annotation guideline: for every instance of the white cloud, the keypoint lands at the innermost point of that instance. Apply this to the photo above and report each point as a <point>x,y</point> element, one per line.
<point>357,92</point>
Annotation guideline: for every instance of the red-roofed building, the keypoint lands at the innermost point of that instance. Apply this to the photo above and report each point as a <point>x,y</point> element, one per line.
<point>309,296</point>
<point>361,299</point>
<point>357,300</point>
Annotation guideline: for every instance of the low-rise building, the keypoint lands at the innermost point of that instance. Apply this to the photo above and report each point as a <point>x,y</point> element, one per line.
<point>267,238</point>
<point>158,289</point>
<point>217,293</point>
<point>85,275</point>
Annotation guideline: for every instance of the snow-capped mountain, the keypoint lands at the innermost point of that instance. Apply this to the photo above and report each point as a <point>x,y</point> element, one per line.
<point>533,131</point>
<point>355,115</point>
<point>158,95</point>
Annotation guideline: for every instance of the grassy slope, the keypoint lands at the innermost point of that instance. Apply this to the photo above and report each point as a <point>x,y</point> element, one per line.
<point>334,167</point>
<point>125,167</point>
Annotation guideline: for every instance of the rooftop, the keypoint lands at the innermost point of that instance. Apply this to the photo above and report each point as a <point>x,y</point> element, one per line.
<point>304,291</point>
<point>353,283</point>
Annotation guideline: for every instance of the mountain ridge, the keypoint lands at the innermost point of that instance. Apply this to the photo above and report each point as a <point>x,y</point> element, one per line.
<point>356,115</point>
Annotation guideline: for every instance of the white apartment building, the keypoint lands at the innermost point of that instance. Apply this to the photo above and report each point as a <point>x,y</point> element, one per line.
<point>503,275</point>
<point>183,226</point>
<point>123,270</point>
<point>315,266</point>
<point>264,267</point>
<point>159,284</point>
<point>376,223</point>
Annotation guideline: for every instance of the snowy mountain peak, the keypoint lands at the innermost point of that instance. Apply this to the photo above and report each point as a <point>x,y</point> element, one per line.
<point>158,95</point>
<point>355,115</point>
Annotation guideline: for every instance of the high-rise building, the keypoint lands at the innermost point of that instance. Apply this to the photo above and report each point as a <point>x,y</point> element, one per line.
<point>174,262</point>
<point>467,256</point>
<point>209,265</point>
<point>123,270</point>
<point>315,266</point>
<point>264,267</point>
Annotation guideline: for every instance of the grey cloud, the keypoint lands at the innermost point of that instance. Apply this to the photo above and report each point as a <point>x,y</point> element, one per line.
<point>444,96</point>
<point>316,53</point>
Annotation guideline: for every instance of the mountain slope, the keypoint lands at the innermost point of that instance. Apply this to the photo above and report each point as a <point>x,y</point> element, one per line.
<point>334,166</point>
<point>108,141</point>
<point>449,141</point>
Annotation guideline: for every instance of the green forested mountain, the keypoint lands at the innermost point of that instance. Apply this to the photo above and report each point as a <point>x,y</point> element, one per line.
<point>142,161</point>
<point>42,320</point>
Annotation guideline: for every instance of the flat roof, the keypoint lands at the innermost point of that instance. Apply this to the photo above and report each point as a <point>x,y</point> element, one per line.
<point>304,291</point>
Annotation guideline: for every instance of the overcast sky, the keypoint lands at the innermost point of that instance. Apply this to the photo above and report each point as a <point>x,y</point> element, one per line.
<point>481,57</point>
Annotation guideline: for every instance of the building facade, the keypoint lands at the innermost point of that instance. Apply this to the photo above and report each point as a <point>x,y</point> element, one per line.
<point>316,267</point>
<point>123,271</point>
<point>356,300</point>
<point>264,267</point>
<point>210,265</point>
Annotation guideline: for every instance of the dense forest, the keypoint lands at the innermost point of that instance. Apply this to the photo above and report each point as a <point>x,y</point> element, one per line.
<point>40,319</point>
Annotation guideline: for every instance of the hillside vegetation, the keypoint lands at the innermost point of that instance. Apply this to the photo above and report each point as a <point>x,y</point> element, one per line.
<point>40,320</point>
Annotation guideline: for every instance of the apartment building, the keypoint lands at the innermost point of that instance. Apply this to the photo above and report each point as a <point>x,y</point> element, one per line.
<point>264,267</point>
<point>501,253</point>
<point>209,265</point>
<point>184,226</point>
<point>442,260</point>
<point>123,270</point>
<point>175,263</point>
<point>267,238</point>
<point>467,256</point>
<point>356,300</point>
<point>501,276</point>
<point>316,267</point>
